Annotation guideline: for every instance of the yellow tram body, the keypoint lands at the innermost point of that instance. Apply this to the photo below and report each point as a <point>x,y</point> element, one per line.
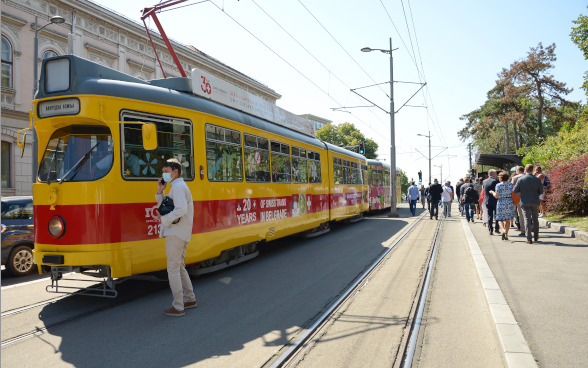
<point>109,222</point>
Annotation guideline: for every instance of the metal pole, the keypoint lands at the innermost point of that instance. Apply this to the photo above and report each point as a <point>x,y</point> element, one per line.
<point>430,158</point>
<point>393,210</point>
<point>35,85</point>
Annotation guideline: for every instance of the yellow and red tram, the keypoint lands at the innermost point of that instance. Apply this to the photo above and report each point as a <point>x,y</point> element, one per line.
<point>251,180</point>
<point>379,185</point>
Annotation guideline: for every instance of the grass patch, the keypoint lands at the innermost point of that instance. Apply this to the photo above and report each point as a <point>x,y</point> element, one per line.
<point>579,222</point>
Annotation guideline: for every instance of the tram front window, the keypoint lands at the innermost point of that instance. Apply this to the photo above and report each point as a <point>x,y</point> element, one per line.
<point>77,153</point>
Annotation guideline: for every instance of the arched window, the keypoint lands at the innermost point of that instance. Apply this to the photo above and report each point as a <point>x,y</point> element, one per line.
<point>6,63</point>
<point>49,54</point>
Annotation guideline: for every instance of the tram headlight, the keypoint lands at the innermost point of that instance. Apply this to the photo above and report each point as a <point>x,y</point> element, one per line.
<point>56,227</point>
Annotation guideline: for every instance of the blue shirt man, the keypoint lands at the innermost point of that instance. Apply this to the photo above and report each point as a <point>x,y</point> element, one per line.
<point>413,197</point>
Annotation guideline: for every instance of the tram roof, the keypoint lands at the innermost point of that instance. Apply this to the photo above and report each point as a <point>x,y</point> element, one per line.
<point>93,79</point>
<point>378,163</point>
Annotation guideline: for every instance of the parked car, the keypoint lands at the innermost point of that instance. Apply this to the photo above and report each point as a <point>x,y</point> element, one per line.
<point>18,238</point>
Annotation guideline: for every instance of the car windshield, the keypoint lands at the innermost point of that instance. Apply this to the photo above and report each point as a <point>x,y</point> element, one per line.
<point>17,210</point>
<point>77,153</point>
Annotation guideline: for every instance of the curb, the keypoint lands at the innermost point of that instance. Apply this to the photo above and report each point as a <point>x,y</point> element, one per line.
<point>564,229</point>
<point>515,350</point>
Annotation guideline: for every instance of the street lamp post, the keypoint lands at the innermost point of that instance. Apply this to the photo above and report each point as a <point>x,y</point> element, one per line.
<point>393,209</point>
<point>441,177</point>
<point>428,136</point>
<point>54,20</point>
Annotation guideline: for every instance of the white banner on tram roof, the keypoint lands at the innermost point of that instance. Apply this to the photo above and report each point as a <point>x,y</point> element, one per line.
<point>209,86</point>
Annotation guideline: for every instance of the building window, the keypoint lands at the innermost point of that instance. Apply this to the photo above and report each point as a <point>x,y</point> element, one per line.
<point>49,54</point>
<point>6,66</point>
<point>6,158</point>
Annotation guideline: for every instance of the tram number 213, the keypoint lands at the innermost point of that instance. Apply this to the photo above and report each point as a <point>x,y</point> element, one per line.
<point>154,229</point>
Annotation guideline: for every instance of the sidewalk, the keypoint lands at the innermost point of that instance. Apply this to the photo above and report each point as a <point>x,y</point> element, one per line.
<point>545,285</point>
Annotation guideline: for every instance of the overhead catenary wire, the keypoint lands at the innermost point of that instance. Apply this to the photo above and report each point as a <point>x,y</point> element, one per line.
<point>290,64</point>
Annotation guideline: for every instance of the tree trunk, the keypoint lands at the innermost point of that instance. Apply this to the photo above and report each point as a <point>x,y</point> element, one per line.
<point>516,136</point>
<point>506,138</point>
<point>540,111</point>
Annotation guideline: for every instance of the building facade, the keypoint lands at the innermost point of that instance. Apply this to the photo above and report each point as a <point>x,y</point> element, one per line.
<point>92,32</point>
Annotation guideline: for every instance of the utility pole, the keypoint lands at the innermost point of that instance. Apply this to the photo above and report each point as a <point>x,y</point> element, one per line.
<point>428,136</point>
<point>470,150</point>
<point>441,178</point>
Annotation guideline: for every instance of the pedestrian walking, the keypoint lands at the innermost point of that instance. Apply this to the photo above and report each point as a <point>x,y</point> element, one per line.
<point>489,200</point>
<point>428,195</point>
<point>504,204</point>
<point>530,188</point>
<point>458,185</point>
<point>423,195</point>
<point>518,209</point>
<point>435,192</point>
<point>176,227</point>
<point>412,197</point>
<point>546,185</point>
<point>469,198</point>
<point>478,187</point>
<point>452,196</point>
<point>447,197</point>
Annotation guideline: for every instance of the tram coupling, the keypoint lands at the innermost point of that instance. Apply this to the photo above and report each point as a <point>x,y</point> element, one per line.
<point>105,287</point>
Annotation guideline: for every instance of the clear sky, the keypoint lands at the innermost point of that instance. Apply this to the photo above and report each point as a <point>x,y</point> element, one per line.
<point>313,59</point>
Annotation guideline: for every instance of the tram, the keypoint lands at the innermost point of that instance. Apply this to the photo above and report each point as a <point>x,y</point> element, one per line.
<point>103,136</point>
<point>379,185</point>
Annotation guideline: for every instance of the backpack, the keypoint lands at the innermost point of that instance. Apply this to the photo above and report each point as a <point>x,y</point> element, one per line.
<point>471,195</point>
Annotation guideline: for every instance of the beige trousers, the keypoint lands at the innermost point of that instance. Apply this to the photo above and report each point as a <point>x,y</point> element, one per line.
<point>179,280</point>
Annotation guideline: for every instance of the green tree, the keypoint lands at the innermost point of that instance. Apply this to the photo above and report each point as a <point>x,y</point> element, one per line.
<point>347,135</point>
<point>569,143</point>
<point>579,36</point>
<point>403,179</point>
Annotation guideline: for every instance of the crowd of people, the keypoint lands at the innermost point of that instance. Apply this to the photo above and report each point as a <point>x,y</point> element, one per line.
<point>502,203</point>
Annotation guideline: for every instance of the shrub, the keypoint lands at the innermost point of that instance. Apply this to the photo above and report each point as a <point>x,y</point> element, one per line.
<point>567,144</point>
<point>567,193</point>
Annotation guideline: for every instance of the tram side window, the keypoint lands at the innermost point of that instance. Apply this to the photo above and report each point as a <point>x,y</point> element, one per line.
<point>174,140</point>
<point>364,174</point>
<point>281,163</point>
<point>256,159</point>
<point>223,154</point>
<point>346,172</point>
<point>299,166</point>
<point>314,167</point>
<point>337,171</point>
<point>387,177</point>
<point>355,178</point>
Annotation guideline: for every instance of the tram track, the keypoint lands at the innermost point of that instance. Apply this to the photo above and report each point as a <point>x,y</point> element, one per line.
<point>289,352</point>
<point>40,330</point>
<point>26,308</point>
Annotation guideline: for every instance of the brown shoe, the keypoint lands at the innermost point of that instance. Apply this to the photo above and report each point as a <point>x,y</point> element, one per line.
<point>529,242</point>
<point>173,312</point>
<point>188,305</point>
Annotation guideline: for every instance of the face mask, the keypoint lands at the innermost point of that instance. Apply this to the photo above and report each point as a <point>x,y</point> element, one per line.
<point>166,177</point>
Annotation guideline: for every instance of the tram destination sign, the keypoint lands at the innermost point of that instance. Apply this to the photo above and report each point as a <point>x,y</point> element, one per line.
<point>64,106</point>
<point>209,86</point>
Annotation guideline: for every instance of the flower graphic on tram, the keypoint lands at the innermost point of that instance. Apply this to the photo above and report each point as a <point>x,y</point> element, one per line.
<point>148,164</point>
<point>180,157</point>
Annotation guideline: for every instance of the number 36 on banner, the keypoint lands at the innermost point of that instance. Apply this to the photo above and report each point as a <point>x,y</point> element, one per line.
<point>206,88</point>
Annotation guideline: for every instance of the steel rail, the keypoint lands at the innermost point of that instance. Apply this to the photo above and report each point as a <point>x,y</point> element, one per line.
<point>416,325</point>
<point>32,306</point>
<point>297,345</point>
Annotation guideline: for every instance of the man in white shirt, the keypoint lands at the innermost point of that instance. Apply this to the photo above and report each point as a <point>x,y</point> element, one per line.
<point>447,197</point>
<point>413,197</point>
<point>176,227</point>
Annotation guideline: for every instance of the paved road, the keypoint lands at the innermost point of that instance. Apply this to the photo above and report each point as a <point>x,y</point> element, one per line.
<point>245,314</point>
<point>546,286</point>
<point>458,329</point>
